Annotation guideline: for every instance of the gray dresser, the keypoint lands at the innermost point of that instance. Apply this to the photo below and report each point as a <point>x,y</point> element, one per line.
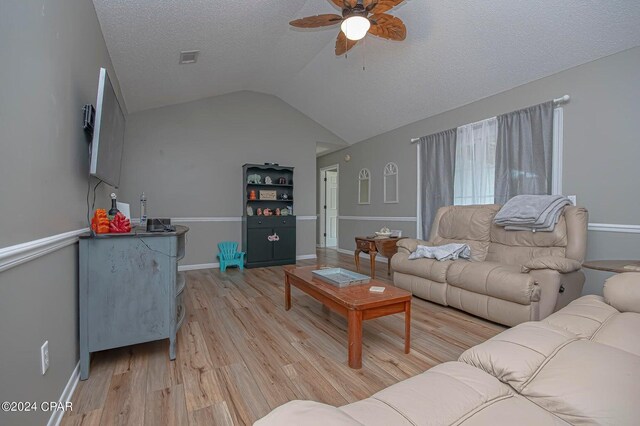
<point>130,290</point>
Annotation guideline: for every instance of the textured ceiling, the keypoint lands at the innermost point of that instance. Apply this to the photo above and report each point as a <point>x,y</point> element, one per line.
<point>456,52</point>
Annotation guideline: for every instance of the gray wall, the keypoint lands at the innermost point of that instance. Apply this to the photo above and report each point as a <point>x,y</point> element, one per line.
<point>51,53</point>
<point>601,152</point>
<point>188,159</point>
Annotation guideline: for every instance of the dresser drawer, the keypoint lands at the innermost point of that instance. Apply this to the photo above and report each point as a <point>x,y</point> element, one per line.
<point>270,221</point>
<point>365,245</point>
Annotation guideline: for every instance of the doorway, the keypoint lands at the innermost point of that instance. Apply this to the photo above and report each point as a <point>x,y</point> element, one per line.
<point>329,206</point>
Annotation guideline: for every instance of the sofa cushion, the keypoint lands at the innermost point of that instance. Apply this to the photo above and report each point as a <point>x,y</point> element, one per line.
<point>439,396</point>
<point>466,222</point>
<point>466,225</point>
<point>622,291</point>
<point>493,279</point>
<point>621,331</point>
<point>516,410</point>
<point>580,381</point>
<point>515,355</point>
<point>515,255</point>
<point>430,269</point>
<point>555,263</point>
<point>307,413</point>
<point>583,316</point>
<point>587,383</point>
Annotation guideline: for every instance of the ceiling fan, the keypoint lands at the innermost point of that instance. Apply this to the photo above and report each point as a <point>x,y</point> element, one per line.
<point>359,17</point>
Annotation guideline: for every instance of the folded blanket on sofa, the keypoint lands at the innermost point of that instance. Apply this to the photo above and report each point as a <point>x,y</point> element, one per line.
<point>531,212</point>
<point>451,251</point>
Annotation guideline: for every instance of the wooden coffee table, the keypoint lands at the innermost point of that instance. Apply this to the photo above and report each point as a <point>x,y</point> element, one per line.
<point>355,302</point>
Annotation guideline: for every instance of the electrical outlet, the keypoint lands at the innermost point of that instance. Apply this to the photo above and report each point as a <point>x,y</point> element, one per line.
<point>44,357</point>
<point>573,199</point>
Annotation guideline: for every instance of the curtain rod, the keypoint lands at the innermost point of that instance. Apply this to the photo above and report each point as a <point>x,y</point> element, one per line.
<point>558,101</point>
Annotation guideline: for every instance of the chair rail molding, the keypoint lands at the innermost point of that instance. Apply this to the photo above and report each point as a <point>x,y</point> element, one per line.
<point>21,253</point>
<point>614,227</point>
<point>380,218</point>
<point>197,219</point>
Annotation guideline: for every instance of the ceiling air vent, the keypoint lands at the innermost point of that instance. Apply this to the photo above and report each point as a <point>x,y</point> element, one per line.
<point>189,56</point>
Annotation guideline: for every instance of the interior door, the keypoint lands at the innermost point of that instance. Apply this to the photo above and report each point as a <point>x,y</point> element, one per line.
<point>331,215</point>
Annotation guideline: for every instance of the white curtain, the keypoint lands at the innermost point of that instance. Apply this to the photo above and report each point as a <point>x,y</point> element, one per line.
<point>475,167</point>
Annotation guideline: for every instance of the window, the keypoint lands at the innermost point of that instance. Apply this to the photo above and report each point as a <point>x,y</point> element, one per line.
<point>474,176</point>
<point>364,187</point>
<point>391,183</point>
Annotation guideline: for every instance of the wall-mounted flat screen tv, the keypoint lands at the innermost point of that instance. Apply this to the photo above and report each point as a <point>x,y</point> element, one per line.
<point>108,134</point>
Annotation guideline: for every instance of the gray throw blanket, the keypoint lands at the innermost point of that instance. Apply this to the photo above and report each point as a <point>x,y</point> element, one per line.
<point>451,251</point>
<point>531,212</point>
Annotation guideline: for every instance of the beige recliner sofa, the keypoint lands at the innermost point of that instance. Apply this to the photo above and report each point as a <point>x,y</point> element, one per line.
<point>579,366</point>
<point>512,277</point>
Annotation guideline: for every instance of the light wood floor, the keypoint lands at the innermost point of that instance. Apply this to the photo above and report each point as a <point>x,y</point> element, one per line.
<point>240,354</point>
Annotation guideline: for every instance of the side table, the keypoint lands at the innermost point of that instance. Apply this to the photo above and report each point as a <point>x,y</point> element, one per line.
<point>373,245</point>
<point>615,266</point>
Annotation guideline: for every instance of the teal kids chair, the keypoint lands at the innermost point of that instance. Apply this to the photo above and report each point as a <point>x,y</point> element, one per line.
<point>230,256</point>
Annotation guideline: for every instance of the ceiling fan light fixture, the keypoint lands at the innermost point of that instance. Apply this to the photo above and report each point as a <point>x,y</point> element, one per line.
<point>355,27</point>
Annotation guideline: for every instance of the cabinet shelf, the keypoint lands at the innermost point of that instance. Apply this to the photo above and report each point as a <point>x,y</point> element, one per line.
<point>282,185</point>
<point>271,201</point>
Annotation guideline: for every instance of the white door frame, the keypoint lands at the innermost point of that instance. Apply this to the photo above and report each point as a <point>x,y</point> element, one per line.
<point>323,202</point>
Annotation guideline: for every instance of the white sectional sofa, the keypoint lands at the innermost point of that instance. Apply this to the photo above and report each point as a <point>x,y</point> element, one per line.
<point>579,366</point>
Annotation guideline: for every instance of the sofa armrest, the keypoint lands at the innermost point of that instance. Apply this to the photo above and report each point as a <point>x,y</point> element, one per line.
<point>409,245</point>
<point>622,291</point>
<point>556,263</point>
<point>307,413</point>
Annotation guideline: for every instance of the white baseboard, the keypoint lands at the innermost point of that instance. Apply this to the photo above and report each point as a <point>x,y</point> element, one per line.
<point>67,393</point>
<point>307,256</point>
<point>362,255</point>
<point>197,266</point>
<point>216,265</point>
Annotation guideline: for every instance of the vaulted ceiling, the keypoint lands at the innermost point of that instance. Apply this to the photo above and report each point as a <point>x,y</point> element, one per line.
<point>456,52</point>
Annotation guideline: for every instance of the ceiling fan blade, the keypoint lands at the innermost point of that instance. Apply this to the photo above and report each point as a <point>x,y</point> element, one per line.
<point>317,21</point>
<point>384,5</point>
<point>343,44</point>
<point>387,26</point>
<point>345,4</point>
<point>369,4</point>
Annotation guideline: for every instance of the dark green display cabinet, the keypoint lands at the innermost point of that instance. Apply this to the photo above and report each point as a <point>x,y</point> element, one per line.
<point>268,238</point>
